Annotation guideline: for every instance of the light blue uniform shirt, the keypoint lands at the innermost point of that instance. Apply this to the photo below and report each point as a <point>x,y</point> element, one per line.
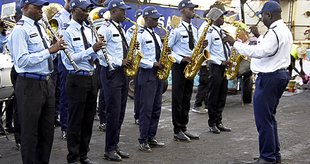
<point>147,47</point>
<point>27,48</point>
<point>215,45</point>
<point>114,45</point>
<point>63,18</point>
<point>3,41</point>
<point>178,41</point>
<point>73,37</point>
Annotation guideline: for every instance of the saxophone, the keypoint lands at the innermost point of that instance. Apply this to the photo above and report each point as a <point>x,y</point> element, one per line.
<point>133,54</point>
<point>235,58</point>
<point>165,60</point>
<point>198,58</point>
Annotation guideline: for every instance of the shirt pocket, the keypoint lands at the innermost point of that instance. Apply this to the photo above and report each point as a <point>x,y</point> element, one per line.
<point>184,37</point>
<point>78,45</point>
<point>117,42</point>
<point>35,44</point>
<point>149,45</point>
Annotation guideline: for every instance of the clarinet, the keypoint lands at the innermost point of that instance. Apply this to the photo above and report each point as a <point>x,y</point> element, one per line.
<point>104,52</point>
<point>55,35</point>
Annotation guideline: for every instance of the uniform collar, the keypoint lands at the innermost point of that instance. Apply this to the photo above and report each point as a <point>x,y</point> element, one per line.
<point>117,24</point>
<point>275,23</point>
<point>186,24</point>
<point>27,20</point>
<point>75,24</point>
<point>216,27</point>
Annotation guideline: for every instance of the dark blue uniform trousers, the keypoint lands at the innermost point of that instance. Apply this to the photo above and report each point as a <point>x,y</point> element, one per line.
<point>82,96</point>
<point>63,102</point>
<point>115,87</point>
<point>269,88</point>
<point>150,88</point>
<point>136,97</point>
<point>36,108</point>
<point>216,94</point>
<point>182,89</point>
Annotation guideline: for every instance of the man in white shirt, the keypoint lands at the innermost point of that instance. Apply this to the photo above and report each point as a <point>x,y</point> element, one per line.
<point>270,59</point>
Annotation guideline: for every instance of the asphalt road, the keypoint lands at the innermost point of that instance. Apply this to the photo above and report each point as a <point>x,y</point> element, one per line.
<point>226,148</point>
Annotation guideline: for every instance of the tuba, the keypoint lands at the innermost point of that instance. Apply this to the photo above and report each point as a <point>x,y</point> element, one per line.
<point>165,60</point>
<point>198,58</point>
<point>237,30</point>
<point>133,54</point>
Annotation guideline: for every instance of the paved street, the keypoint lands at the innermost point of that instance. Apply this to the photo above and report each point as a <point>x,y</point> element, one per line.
<point>226,148</point>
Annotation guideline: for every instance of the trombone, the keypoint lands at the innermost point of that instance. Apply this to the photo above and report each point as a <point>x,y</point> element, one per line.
<point>55,35</point>
<point>104,52</point>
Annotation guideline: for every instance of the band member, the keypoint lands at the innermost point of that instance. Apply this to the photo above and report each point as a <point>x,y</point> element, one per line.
<point>182,41</point>
<point>115,83</point>
<point>217,81</point>
<point>35,93</point>
<point>136,92</point>
<point>148,83</point>
<point>63,18</point>
<point>270,59</point>
<point>81,86</point>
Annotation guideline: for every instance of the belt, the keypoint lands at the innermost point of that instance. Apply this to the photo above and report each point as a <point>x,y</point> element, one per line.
<point>274,72</point>
<point>35,76</point>
<point>82,73</point>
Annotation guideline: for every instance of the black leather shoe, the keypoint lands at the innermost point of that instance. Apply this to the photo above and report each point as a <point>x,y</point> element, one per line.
<point>180,136</point>
<point>145,147</point>
<point>57,123</point>
<point>222,128</point>
<point>278,161</point>
<point>155,143</point>
<point>121,153</point>
<point>112,156</point>
<point>191,136</point>
<point>260,161</point>
<point>87,161</point>
<point>214,129</point>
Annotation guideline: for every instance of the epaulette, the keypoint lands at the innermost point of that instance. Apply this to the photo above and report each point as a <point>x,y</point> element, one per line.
<point>57,15</point>
<point>106,23</point>
<point>66,25</point>
<point>131,29</point>
<point>210,30</point>
<point>141,30</point>
<point>20,22</point>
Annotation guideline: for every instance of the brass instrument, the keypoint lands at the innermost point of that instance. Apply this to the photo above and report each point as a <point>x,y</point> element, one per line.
<point>50,11</point>
<point>238,31</point>
<point>8,25</point>
<point>133,54</point>
<point>197,58</point>
<point>56,36</point>
<point>103,50</point>
<point>165,60</point>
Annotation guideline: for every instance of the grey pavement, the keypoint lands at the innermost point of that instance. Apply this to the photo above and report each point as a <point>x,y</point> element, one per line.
<point>226,148</point>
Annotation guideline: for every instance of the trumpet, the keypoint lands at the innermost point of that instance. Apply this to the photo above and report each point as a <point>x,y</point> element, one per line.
<point>56,36</point>
<point>199,17</point>
<point>104,52</point>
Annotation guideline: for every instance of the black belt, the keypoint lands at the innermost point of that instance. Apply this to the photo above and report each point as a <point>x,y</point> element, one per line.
<point>35,76</point>
<point>82,73</point>
<point>274,72</point>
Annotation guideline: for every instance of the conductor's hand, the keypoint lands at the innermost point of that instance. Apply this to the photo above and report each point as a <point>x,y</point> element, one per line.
<point>99,44</point>
<point>59,45</point>
<point>186,60</point>
<point>158,65</point>
<point>127,63</point>
<point>229,39</point>
<point>254,31</point>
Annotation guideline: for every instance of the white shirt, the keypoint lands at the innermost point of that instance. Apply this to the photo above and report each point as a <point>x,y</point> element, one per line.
<point>265,56</point>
